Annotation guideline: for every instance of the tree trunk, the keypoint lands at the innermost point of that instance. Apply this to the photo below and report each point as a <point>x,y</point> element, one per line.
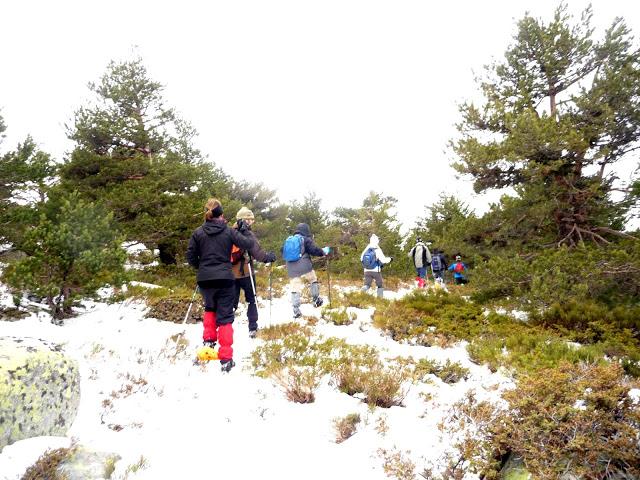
<point>573,215</point>
<point>167,253</point>
<point>66,301</point>
<point>552,102</point>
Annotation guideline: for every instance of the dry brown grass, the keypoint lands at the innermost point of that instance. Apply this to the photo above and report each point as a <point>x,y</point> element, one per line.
<point>276,332</point>
<point>346,426</point>
<point>299,383</point>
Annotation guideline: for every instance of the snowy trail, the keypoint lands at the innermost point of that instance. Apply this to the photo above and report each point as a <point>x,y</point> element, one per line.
<point>188,420</point>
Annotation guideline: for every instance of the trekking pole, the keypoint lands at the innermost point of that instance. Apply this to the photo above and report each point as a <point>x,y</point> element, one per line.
<point>190,304</point>
<point>329,280</point>
<point>253,287</point>
<point>181,334</point>
<point>270,291</point>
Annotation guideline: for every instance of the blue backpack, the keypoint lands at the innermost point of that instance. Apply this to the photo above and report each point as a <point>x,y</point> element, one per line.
<point>436,263</point>
<point>369,259</point>
<point>292,248</point>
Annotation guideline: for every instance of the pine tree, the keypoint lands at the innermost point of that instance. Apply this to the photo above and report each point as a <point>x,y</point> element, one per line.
<point>26,175</point>
<point>73,251</point>
<point>308,211</point>
<point>136,156</point>
<point>3,128</point>
<point>353,227</point>
<point>450,226</point>
<point>559,112</point>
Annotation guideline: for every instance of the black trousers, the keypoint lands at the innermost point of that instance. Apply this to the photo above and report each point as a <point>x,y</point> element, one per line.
<point>218,297</point>
<point>244,284</point>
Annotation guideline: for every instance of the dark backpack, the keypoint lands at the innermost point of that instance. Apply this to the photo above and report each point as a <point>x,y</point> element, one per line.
<point>369,259</point>
<point>293,248</point>
<point>459,268</point>
<point>436,262</point>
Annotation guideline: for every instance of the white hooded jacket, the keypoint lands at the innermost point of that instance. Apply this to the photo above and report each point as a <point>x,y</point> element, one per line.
<point>374,242</point>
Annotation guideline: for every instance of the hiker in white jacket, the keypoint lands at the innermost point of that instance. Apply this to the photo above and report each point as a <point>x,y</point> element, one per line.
<point>372,259</point>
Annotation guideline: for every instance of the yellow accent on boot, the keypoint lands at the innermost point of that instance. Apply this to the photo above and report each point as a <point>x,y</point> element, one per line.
<point>206,354</point>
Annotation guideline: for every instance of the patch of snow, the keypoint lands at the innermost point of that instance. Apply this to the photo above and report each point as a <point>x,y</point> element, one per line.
<point>19,456</point>
<point>144,285</point>
<point>142,397</point>
<point>134,247</point>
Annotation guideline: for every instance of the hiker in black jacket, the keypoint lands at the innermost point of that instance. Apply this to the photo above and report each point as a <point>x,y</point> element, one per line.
<point>438,265</point>
<point>210,253</point>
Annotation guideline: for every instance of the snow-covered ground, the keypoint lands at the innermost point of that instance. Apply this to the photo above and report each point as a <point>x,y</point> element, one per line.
<point>143,401</point>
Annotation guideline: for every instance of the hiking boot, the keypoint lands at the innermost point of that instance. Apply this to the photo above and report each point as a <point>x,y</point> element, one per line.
<point>297,314</point>
<point>253,333</point>
<point>209,343</point>
<point>317,302</point>
<point>227,365</point>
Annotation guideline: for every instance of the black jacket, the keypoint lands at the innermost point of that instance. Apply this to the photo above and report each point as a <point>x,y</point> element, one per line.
<point>210,250</point>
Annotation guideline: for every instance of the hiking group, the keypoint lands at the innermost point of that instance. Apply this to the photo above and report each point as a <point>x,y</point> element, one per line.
<point>422,259</point>
<point>223,256</point>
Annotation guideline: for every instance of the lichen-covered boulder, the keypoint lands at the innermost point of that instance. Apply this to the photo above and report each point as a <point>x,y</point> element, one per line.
<point>39,389</point>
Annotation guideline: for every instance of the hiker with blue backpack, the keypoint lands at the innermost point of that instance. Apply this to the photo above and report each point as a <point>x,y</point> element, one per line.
<point>421,259</point>
<point>458,268</point>
<point>373,259</point>
<point>297,252</point>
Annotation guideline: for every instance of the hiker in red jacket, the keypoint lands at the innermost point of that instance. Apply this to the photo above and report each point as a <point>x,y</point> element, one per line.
<point>458,268</point>
<point>210,253</point>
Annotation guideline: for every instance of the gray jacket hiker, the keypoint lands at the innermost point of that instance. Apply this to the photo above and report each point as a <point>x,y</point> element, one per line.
<point>301,271</point>
<point>309,248</point>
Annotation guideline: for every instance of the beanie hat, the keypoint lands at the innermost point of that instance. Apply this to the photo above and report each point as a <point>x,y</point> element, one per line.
<point>245,214</point>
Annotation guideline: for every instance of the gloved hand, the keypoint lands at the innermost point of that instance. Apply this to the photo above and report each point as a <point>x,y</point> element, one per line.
<point>270,257</point>
<point>326,250</point>
<point>242,226</point>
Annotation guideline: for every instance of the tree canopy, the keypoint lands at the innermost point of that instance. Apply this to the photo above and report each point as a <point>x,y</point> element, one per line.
<point>558,112</point>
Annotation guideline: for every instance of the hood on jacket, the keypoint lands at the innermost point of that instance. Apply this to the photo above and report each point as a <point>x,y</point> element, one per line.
<point>303,229</point>
<point>214,226</point>
<point>374,241</point>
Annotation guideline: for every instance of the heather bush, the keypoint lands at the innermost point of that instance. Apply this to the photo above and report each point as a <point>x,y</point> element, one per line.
<point>346,426</point>
<point>299,383</point>
<point>573,419</point>
<point>338,316</point>
<point>449,372</point>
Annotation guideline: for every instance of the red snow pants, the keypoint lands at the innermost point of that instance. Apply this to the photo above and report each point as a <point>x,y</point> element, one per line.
<point>218,315</point>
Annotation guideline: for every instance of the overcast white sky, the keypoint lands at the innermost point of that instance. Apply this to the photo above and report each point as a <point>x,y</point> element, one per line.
<point>339,97</point>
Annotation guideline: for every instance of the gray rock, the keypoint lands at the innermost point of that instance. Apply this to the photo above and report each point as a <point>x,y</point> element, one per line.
<point>39,389</point>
